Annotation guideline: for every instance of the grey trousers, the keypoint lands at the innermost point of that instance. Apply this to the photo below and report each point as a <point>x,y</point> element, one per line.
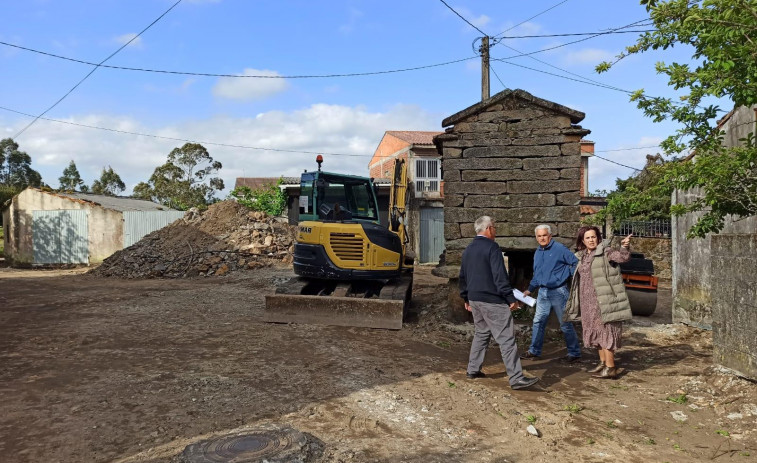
<point>497,321</point>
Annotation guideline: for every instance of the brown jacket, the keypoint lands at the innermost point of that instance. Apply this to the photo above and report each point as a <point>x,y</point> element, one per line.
<point>608,283</point>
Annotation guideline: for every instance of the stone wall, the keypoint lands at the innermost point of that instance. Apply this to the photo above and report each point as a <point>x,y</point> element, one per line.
<point>734,301</point>
<point>692,273</point>
<point>517,162</point>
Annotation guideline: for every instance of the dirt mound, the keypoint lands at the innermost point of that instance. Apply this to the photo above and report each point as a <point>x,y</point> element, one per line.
<point>224,238</point>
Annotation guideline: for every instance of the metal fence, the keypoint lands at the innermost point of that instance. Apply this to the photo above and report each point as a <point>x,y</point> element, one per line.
<point>648,229</point>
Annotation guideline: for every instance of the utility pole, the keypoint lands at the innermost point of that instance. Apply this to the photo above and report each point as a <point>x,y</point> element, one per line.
<point>484,68</point>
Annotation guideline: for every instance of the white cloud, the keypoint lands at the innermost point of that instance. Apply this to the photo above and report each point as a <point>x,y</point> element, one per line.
<point>239,88</point>
<point>319,128</point>
<point>124,39</point>
<point>587,55</point>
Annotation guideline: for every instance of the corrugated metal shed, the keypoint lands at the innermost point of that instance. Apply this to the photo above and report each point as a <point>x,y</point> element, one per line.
<point>116,203</point>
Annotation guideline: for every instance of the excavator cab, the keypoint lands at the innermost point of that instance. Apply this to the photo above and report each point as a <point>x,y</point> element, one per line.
<point>351,271</point>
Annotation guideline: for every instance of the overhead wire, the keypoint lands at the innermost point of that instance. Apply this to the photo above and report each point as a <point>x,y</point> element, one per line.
<point>497,76</point>
<point>229,145</point>
<point>186,140</point>
<point>463,18</point>
<point>532,17</point>
<point>253,76</point>
<point>614,162</point>
<point>95,68</point>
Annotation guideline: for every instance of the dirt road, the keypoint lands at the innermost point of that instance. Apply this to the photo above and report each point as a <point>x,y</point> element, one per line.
<point>95,370</point>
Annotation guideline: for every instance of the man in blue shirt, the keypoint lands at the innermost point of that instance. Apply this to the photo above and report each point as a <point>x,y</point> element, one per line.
<point>553,266</point>
<point>486,290</point>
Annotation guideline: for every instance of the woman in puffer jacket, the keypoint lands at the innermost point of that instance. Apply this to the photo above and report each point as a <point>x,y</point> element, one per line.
<point>598,297</point>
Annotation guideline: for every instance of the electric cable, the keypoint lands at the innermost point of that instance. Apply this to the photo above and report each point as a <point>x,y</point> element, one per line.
<point>243,76</point>
<point>95,68</point>
<point>469,23</point>
<point>186,140</point>
<point>529,19</point>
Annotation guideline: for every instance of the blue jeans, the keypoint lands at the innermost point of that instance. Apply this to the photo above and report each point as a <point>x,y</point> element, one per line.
<point>546,301</point>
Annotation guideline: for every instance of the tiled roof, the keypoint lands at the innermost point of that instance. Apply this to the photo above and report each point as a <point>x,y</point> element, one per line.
<point>415,137</point>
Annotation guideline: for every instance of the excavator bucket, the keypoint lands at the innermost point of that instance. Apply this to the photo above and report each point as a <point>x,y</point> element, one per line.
<point>362,304</point>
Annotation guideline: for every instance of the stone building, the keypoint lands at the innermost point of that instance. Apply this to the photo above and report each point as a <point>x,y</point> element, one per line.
<point>714,278</point>
<point>518,159</point>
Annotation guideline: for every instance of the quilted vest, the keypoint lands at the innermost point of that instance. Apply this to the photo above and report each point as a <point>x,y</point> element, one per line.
<point>608,283</point>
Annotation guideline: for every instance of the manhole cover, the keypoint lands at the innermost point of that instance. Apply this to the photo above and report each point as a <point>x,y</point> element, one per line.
<point>274,445</point>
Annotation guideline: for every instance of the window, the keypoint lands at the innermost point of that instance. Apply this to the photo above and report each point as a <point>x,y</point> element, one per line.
<point>427,175</point>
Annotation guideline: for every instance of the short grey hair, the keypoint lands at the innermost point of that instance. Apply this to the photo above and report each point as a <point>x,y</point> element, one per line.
<point>543,226</point>
<point>482,223</point>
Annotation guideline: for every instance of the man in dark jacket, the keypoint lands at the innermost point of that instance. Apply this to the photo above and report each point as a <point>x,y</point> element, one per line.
<point>553,266</point>
<point>485,287</point>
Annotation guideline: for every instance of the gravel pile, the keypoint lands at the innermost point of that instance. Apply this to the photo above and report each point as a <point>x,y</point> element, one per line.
<point>225,238</point>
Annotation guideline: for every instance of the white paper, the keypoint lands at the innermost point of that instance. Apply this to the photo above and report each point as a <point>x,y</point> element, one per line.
<point>528,300</point>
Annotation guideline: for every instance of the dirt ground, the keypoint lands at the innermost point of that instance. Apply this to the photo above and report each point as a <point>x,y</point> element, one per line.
<point>96,369</point>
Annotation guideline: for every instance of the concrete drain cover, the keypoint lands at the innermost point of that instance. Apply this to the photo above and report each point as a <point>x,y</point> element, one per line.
<point>273,444</point>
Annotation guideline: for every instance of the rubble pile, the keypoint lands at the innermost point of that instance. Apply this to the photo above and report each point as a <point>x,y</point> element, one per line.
<point>224,238</point>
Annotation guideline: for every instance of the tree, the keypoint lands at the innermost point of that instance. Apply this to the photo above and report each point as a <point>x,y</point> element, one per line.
<point>109,184</point>
<point>723,35</point>
<point>15,167</point>
<point>184,181</point>
<point>641,197</point>
<point>269,199</point>
<point>71,179</point>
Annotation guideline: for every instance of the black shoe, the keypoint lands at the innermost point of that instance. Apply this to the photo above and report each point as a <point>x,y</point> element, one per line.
<point>525,383</point>
<point>478,374</point>
<point>528,355</point>
<point>570,359</point>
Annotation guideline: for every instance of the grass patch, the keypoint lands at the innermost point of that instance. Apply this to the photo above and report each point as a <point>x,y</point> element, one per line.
<point>531,419</point>
<point>611,424</point>
<point>590,441</point>
<point>451,384</point>
<point>650,441</point>
<point>444,344</point>
<point>573,408</point>
<point>723,433</point>
<point>677,398</point>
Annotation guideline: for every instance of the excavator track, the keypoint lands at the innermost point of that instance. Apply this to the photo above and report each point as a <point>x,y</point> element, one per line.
<point>369,304</point>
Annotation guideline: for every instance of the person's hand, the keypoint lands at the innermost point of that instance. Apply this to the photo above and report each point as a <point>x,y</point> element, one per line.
<point>467,307</point>
<point>526,293</point>
<point>626,241</point>
<point>514,306</point>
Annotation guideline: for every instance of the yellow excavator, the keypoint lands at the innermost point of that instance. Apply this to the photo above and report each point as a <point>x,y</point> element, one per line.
<point>351,271</point>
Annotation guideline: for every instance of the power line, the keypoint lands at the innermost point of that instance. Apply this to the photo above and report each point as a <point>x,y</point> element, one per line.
<point>574,34</point>
<point>529,19</point>
<point>95,68</point>
<point>497,76</point>
<point>461,17</point>
<point>622,165</point>
<point>254,76</point>
<point>226,145</point>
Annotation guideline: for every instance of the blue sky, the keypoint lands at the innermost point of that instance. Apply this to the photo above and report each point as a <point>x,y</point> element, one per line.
<point>343,115</point>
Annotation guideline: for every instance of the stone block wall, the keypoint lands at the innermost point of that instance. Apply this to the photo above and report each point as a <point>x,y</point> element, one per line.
<point>517,162</point>
<point>734,301</point>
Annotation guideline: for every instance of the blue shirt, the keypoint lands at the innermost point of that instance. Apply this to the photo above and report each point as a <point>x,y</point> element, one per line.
<point>553,265</point>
